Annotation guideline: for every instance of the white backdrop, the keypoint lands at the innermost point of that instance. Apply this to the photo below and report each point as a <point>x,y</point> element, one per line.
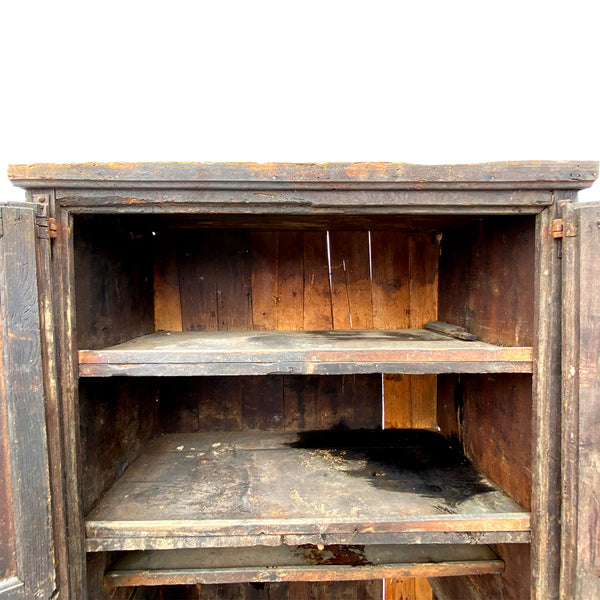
<point>428,81</point>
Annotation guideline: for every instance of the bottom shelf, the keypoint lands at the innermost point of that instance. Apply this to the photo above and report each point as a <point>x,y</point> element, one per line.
<point>300,563</point>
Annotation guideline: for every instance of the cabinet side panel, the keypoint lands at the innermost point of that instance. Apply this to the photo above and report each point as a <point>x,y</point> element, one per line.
<point>486,281</point>
<point>113,281</point>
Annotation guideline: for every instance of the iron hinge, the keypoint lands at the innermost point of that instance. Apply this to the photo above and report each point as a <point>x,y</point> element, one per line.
<point>46,227</point>
<point>558,229</point>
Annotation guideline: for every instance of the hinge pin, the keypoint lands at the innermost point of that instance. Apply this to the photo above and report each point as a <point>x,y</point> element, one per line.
<point>558,229</point>
<point>52,228</point>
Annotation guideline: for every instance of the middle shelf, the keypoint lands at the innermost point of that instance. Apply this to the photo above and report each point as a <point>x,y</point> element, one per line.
<point>328,352</point>
<point>317,487</point>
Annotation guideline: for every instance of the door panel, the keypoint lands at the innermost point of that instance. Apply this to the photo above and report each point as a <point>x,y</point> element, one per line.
<point>26,554</point>
<point>580,573</point>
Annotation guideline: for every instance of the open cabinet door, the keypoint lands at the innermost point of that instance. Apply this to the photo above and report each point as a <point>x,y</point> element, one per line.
<point>580,577</point>
<point>26,553</point>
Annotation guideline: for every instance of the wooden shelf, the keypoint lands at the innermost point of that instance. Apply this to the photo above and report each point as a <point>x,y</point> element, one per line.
<point>300,563</point>
<point>302,352</point>
<point>334,487</point>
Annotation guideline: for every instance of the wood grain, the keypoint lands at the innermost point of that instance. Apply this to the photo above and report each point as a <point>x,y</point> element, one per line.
<point>317,293</point>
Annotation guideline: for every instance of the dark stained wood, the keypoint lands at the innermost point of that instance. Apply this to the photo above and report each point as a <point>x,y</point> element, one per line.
<point>167,293</point>
<point>196,263</point>
<point>239,353</point>
<point>63,265</point>
<point>265,278</point>
<point>507,175</point>
<point>26,554</point>
<point>294,403</point>
<point>248,484</point>
<point>113,281</point>
<point>513,583</point>
<point>52,401</point>
<point>580,577</point>
<point>234,295</point>
<point>118,417</point>
<point>300,563</point>
<point>451,588</point>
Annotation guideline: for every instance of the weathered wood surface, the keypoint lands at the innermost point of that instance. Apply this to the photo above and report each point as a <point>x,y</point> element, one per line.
<point>296,403</point>
<point>301,352</point>
<point>63,262</point>
<point>516,175</point>
<point>460,333</point>
<point>26,556</point>
<point>113,281</point>
<point>252,483</point>
<point>487,279</point>
<point>300,563</point>
<point>580,576</point>
<point>408,589</point>
<point>546,417</point>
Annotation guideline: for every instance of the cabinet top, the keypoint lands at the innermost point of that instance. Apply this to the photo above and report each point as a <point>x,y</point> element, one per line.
<point>507,175</point>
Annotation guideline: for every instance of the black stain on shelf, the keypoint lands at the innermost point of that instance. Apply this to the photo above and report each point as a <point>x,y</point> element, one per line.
<point>402,460</point>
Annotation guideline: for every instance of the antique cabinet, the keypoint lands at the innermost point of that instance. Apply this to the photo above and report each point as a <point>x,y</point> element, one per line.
<point>295,381</point>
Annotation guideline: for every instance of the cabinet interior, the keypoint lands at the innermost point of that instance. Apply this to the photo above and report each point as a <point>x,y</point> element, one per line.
<point>462,427</point>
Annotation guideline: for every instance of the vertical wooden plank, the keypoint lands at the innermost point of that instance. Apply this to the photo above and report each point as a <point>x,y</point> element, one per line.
<point>113,280</point>
<point>290,307</point>
<point>546,483</point>
<point>397,401</point>
<point>262,403</point>
<point>22,389</point>
<point>369,590</point>
<point>264,253</point>
<point>391,310</point>
<point>367,401</point>
<point>167,296</point>
<point>234,295</point>
<point>300,402</point>
<point>196,258</point>
<point>324,590</point>
<point>423,590</point>
<point>400,589</point>
<point>580,576</point>
<point>423,268</point>
<point>181,410</point>
<point>335,402</point>
<point>219,401</point>
<point>390,285</point>
<point>350,280</point>
<point>498,408</point>
<point>47,295</point>
<point>8,550</point>
<point>63,265</point>
<point>317,294</point>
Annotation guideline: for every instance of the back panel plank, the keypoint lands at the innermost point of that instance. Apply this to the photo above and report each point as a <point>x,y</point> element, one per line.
<point>352,306</point>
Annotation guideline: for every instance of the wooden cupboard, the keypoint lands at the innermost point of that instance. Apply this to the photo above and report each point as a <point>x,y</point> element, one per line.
<point>296,381</point>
